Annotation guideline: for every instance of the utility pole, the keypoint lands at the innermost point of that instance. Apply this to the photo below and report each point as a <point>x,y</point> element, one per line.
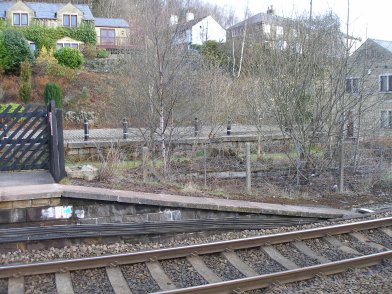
<point>311,10</point>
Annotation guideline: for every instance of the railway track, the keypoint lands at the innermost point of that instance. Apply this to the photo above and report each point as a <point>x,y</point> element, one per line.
<point>231,266</point>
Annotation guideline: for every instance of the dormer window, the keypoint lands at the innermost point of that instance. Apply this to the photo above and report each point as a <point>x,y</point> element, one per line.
<point>70,20</point>
<point>20,19</point>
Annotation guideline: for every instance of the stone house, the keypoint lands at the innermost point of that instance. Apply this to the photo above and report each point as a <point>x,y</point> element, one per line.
<point>267,28</point>
<point>111,32</point>
<point>369,80</point>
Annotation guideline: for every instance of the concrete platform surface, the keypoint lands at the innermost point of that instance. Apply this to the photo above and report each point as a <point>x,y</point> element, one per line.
<point>16,193</point>
<point>25,178</point>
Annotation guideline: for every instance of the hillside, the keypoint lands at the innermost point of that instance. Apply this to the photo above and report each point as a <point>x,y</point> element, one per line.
<point>84,90</point>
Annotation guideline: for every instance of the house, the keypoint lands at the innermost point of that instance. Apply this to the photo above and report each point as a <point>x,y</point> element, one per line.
<point>265,28</point>
<point>196,31</point>
<point>110,32</point>
<point>370,80</point>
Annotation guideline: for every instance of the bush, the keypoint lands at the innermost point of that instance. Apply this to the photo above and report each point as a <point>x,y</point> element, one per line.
<point>69,57</point>
<point>3,107</point>
<point>102,53</point>
<point>25,78</point>
<point>14,49</point>
<point>53,92</point>
<point>89,51</point>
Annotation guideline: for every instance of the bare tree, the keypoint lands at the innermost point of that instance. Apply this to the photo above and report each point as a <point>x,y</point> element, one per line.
<point>302,78</point>
<point>158,78</point>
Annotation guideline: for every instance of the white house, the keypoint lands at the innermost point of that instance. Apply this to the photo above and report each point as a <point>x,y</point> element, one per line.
<point>197,31</point>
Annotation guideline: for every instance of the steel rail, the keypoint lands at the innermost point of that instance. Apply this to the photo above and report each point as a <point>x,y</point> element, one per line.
<point>178,252</point>
<point>289,276</point>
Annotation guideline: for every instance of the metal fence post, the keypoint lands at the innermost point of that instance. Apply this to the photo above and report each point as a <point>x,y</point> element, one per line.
<point>196,127</point>
<point>125,129</point>
<point>228,127</point>
<point>86,131</point>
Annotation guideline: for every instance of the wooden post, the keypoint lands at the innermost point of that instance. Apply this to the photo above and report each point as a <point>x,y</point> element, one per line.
<point>144,162</point>
<point>60,143</point>
<point>54,152</point>
<point>248,169</point>
<point>56,142</point>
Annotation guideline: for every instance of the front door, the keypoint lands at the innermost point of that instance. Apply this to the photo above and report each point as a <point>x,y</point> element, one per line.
<point>108,37</point>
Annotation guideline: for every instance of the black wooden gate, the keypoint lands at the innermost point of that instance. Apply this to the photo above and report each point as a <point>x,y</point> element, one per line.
<point>29,140</point>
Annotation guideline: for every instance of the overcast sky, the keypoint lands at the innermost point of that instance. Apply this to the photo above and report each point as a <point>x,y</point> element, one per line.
<point>368,18</point>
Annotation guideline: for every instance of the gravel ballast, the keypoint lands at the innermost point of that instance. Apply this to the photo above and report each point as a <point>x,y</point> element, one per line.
<point>139,278</point>
<point>40,284</point>
<point>181,272</point>
<point>3,285</point>
<point>222,267</point>
<point>93,281</point>
<point>259,261</point>
<point>292,253</point>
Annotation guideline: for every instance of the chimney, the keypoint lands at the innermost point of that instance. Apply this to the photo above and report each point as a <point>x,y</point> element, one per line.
<point>270,10</point>
<point>189,16</point>
<point>174,20</point>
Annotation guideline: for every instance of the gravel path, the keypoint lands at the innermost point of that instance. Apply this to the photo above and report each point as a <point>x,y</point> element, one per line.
<point>259,261</point>
<point>330,252</point>
<point>91,282</point>
<point>181,272</point>
<point>139,278</point>
<point>222,267</point>
<point>292,253</point>
<point>3,285</point>
<point>40,284</point>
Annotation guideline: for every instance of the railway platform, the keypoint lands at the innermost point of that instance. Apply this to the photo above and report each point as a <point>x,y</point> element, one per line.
<point>41,194</point>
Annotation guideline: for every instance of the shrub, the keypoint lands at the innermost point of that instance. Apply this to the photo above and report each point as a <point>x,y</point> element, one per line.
<point>53,92</point>
<point>89,51</point>
<point>25,77</point>
<point>69,57</point>
<point>3,107</point>
<point>102,53</point>
<point>14,49</point>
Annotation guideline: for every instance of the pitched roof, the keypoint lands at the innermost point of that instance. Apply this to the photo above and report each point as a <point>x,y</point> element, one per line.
<point>47,10</point>
<point>189,24</point>
<point>261,18</point>
<point>111,22</point>
<point>387,45</point>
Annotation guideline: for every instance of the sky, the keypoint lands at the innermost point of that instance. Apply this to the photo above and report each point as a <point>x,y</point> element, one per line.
<point>368,19</point>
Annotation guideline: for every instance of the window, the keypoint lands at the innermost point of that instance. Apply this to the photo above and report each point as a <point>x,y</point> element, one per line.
<point>267,28</point>
<point>386,119</point>
<point>70,20</point>
<point>33,47</point>
<point>72,45</point>
<point>108,37</point>
<point>386,83</point>
<point>20,19</point>
<point>279,31</point>
<point>352,85</point>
